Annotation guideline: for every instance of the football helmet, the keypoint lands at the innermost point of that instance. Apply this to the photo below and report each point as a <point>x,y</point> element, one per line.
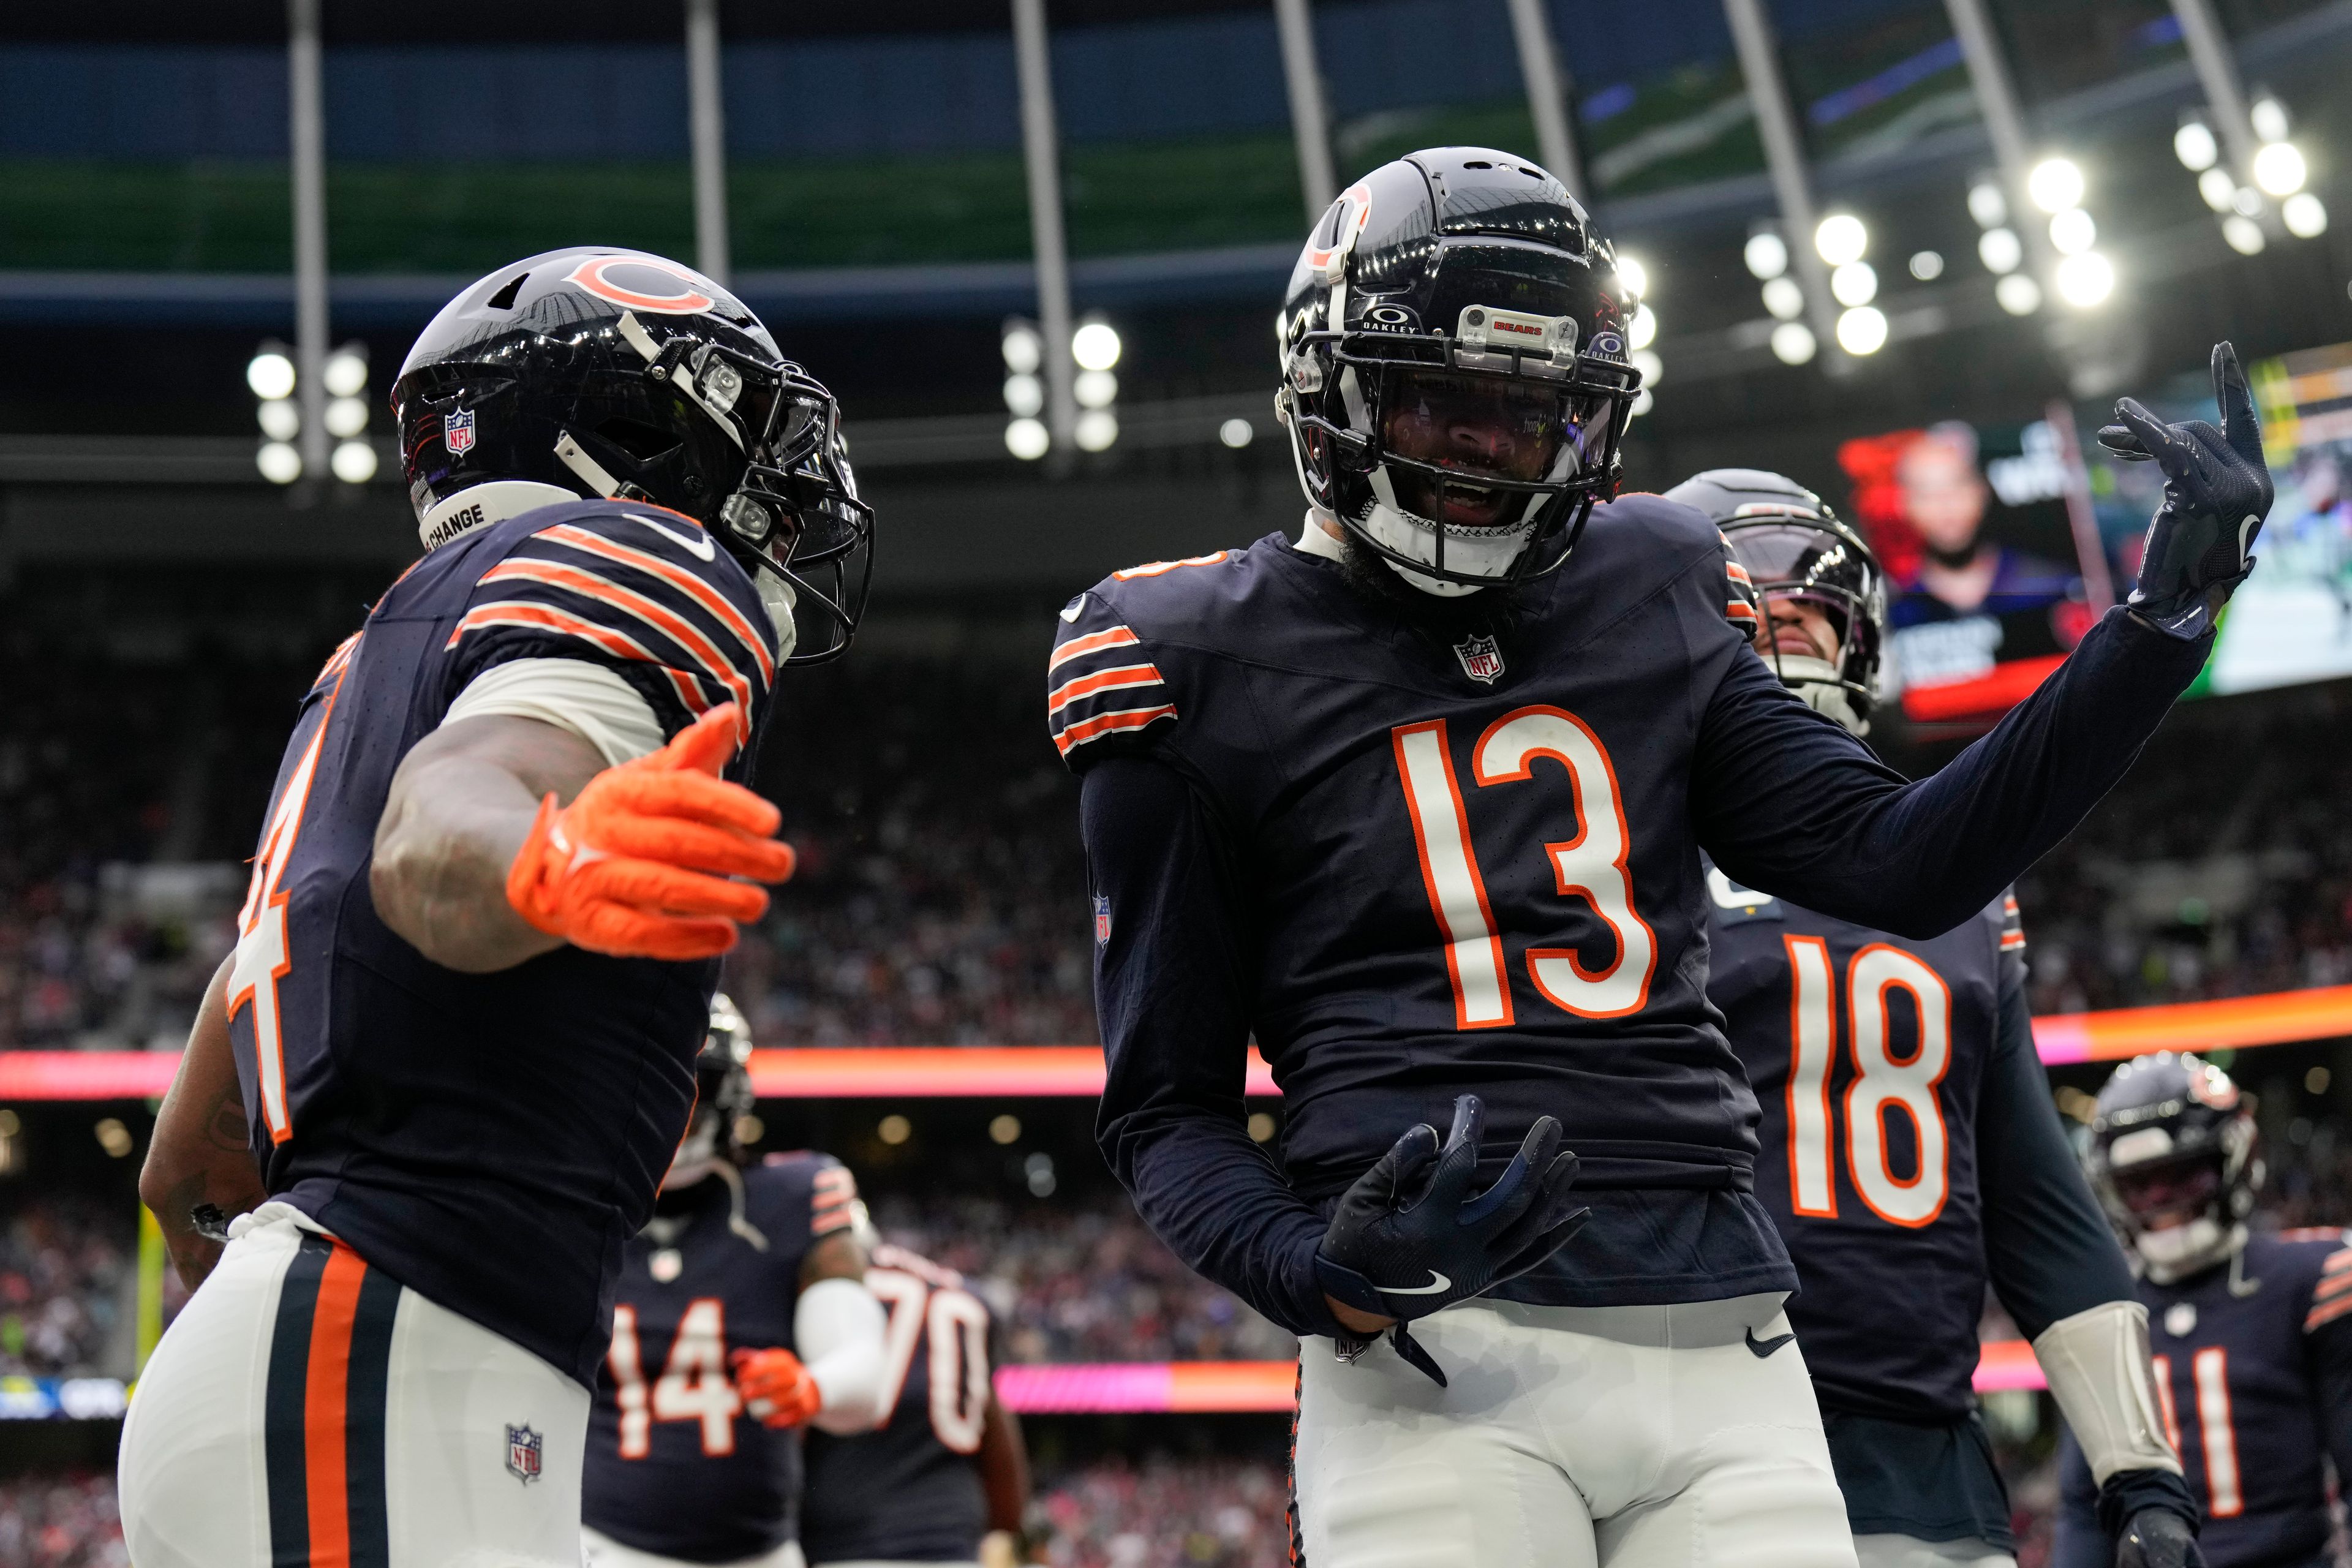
<point>2172,1159</point>
<point>1794,547</point>
<point>601,371</point>
<point>722,1097</point>
<point>1455,378</point>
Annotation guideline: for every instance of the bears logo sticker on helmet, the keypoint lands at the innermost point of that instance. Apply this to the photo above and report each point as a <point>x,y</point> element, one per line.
<point>596,275</point>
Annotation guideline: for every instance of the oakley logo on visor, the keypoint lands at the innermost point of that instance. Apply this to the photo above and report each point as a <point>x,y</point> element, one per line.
<point>643,283</point>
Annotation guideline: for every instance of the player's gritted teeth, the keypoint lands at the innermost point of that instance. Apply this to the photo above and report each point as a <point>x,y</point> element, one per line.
<point>1473,426</point>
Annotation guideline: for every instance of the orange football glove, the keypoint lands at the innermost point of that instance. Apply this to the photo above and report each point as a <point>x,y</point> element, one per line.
<point>777,1389</point>
<point>638,866</point>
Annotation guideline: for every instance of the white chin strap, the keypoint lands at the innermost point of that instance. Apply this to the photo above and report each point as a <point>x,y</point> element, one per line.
<point>2178,1251</point>
<point>1816,680</point>
<point>777,596</point>
<point>478,506</point>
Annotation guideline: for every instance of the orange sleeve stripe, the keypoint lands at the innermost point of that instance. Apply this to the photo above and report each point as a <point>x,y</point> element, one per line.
<point>2338,1262</point>
<point>604,591</point>
<point>678,577</point>
<point>1740,610</point>
<point>2323,1315</point>
<point>2332,1286</point>
<point>1102,724</point>
<point>1156,568</point>
<point>547,618</point>
<point>1093,642</point>
<point>1738,574</point>
<point>2011,941</point>
<point>1063,696</point>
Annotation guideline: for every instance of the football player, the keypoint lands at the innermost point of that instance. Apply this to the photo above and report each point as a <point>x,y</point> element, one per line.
<point>946,1479</point>
<point>741,1317</point>
<point>2252,1330</point>
<point>507,843</point>
<point>1418,802</point>
<point>1909,1148</point>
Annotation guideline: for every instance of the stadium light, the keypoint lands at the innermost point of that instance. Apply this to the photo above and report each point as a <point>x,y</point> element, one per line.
<point>2055,184</point>
<point>1861,329</point>
<point>1026,439</point>
<point>1841,237</point>
<point>2000,250</point>
<point>1793,342</point>
<point>354,462</point>
<point>2305,215</point>
<point>280,420</point>
<point>346,416</point>
<point>1237,432</point>
<point>1095,389</point>
<point>1767,255</point>
<point>1653,368</point>
<point>2244,235</point>
<point>2073,232</point>
<point>1094,346</point>
<point>1987,204</point>
<point>2084,279</point>
<point>1635,275</point>
<point>1097,429</point>
<point>1854,284</point>
<point>2279,169</point>
<point>1642,400</point>
<point>1927,265</point>
<point>2269,117</point>
<point>2219,191</point>
<point>345,374</point>
<point>2194,146</point>
<point>1784,299</point>
<point>1025,350</point>
<point>2018,294</point>
<point>279,463</point>
<point>270,373</point>
<point>1642,330</point>
<point>1024,395</point>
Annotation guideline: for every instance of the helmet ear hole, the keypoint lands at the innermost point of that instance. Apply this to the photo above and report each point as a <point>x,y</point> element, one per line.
<point>505,298</point>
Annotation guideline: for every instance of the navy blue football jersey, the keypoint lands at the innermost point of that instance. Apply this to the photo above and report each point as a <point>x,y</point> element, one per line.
<point>490,1140</point>
<point>911,1491</point>
<point>675,1466</point>
<point>1868,1055</point>
<point>2249,1359</point>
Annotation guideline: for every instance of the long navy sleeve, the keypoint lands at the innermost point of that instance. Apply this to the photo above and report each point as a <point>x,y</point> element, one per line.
<point>1801,810</point>
<point>1173,987</point>
<point>2048,1247</point>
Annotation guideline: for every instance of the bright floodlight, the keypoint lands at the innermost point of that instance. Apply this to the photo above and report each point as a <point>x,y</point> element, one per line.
<point>346,416</point>
<point>1025,396</point>
<point>2305,216</point>
<point>270,374</point>
<point>2219,190</point>
<point>1784,299</point>
<point>1642,401</point>
<point>1767,254</point>
<point>1634,276</point>
<point>2085,279</point>
<point>2269,116</point>
<point>1096,347</point>
<point>1987,204</point>
<point>1642,330</point>
<point>2018,294</point>
<point>2055,184</point>
<point>1095,389</point>
<point>1237,432</point>
<point>1927,265</point>
<point>280,420</point>
<point>1793,342</point>
<point>2244,235</point>
<point>354,462</point>
<point>279,463</point>
<point>1653,368</point>
<point>2278,168</point>
<point>1026,439</point>
<point>1025,350</point>
<point>2073,232</point>
<point>1999,249</point>
<point>1855,284</point>
<point>346,373</point>
<point>1861,331</point>
<point>2247,202</point>
<point>2194,146</point>
<point>1841,238</point>
<point>1097,429</point>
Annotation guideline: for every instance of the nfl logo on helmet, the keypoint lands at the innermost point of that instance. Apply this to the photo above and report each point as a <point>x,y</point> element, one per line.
<point>458,431</point>
<point>522,1453</point>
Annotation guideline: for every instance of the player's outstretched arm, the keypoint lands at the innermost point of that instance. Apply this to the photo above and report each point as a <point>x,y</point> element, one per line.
<point>505,837</point>
<point>202,1153</point>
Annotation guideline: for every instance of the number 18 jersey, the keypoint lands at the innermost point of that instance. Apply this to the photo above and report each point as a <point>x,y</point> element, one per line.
<point>1868,1054</point>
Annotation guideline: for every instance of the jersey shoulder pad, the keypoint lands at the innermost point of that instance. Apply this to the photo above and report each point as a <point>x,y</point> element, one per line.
<point>1654,540</point>
<point>812,1184</point>
<point>643,591</point>
<point>1104,688</point>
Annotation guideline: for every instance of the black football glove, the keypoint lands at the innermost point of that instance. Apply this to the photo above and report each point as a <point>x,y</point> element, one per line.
<point>2158,1538</point>
<point>2217,491</point>
<point>1409,1236</point>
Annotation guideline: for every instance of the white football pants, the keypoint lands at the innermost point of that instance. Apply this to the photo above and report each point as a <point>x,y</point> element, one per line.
<point>307,1409</point>
<point>1906,1552</point>
<point>1570,1437</point>
<point>603,1552</point>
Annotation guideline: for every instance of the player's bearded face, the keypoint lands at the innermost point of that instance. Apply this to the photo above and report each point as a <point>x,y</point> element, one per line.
<point>2170,1194</point>
<point>1800,627</point>
<point>1473,426</point>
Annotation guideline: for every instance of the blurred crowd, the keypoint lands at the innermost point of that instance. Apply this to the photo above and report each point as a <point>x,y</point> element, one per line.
<point>61,1519</point>
<point>66,1275</point>
<point>1164,1513</point>
<point>1079,1282</point>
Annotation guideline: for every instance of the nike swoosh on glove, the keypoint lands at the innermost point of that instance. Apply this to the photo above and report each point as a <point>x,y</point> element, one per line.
<point>638,865</point>
<point>777,1389</point>
<point>2158,1538</point>
<point>1410,1238</point>
<point>2217,491</point>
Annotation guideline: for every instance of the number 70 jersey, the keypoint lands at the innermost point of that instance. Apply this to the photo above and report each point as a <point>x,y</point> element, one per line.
<point>1868,1054</point>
